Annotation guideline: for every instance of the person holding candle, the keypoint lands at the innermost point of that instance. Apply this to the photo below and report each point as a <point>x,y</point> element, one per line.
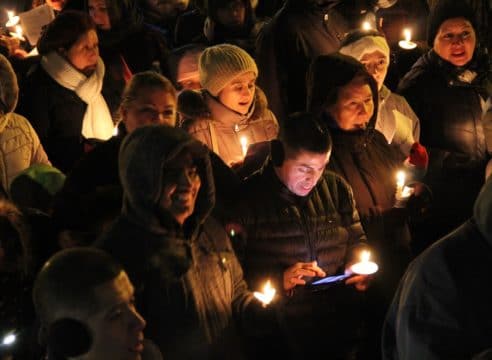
<point>62,96</point>
<point>345,96</point>
<point>395,118</point>
<point>449,89</point>
<point>442,307</point>
<point>189,284</point>
<point>297,222</point>
<point>230,107</point>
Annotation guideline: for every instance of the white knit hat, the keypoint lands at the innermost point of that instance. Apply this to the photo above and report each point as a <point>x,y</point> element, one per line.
<point>220,64</point>
<point>366,45</point>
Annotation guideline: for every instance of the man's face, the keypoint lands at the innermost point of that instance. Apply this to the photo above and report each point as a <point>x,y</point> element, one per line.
<point>84,53</point>
<point>455,41</point>
<point>376,64</point>
<point>239,93</point>
<point>152,106</point>
<point>181,186</point>
<point>233,14</point>
<point>301,170</point>
<point>117,329</point>
<point>354,106</point>
<point>99,14</point>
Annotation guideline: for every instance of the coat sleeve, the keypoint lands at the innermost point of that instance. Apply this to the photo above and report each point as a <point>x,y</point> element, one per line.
<point>38,154</point>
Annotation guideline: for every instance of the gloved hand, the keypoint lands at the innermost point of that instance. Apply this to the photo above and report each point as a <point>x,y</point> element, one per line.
<point>417,162</point>
<point>419,203</point>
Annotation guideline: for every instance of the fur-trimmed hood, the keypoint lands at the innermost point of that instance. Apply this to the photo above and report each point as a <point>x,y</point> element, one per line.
<point>9,90</point>
<point>192,105</point>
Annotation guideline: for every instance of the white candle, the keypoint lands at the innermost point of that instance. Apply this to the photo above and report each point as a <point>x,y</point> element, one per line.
<point>266,296</point>
<point>364,267</point>
<point>400,183</point>
<point>407,43</point>
<point>18,33</point>
<point>13,20</point>
<point>244,144</point>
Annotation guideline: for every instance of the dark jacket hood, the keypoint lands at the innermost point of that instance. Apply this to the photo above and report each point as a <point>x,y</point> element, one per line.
<point>482,211</point>
<point>143,157</point>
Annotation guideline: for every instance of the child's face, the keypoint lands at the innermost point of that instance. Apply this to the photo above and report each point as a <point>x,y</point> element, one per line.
<point>117,329</point>
<point>238,95</point>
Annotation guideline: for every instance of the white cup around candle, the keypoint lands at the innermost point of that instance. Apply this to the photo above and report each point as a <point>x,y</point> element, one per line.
<point>407,43</point>
<point>364,266</point>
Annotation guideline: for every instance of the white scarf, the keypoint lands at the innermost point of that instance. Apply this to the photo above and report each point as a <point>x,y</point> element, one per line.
<point>97,122</point>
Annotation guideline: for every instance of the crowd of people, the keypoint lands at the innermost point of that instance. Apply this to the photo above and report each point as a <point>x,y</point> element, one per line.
<point>202,179</point>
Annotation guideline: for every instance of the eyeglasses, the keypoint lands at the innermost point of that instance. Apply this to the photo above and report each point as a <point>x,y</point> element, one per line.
<point>379,65</point>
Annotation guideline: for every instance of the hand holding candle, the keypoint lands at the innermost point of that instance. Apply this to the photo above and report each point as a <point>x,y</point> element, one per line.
<point>18,33</point>
<point>266,296</point>
<point>402,192</point>
<point>407,43</point>
<point>364,266</point>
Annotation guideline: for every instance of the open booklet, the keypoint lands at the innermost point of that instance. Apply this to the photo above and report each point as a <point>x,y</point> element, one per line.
<point>34,20</point>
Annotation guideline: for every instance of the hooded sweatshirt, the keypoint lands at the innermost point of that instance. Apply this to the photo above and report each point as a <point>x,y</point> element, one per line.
<point>442,307</point>
<point>188,281</point>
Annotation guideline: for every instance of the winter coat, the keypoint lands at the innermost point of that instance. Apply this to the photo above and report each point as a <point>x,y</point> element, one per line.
<point>221,129</point>
<point>281,229</point>
<point>442,307</point>
<point>19,147</point>
<point>397,121</point>
<point>189,284</point>
<point>56,113</point>
<point>286,45</point>
<point>451,119</point>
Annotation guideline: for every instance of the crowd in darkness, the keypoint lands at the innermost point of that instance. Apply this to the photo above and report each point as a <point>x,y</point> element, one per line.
<point>191,179</point>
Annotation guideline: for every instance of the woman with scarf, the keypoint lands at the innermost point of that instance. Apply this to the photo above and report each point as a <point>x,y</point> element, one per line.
<point>449,89</point>
<point>62,96</point>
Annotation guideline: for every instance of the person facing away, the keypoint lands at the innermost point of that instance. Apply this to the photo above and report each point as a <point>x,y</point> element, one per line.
<point>19,143</point>
<point>231,112</point>
<point>189,284</point>
<point>85,304</point>
<point>395,118</point>
<point>298,222</point>
<point>442,307</point>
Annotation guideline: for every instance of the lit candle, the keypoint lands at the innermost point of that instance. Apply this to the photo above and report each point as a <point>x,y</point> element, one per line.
<point>244,145</point>
<point>364,267</point>
<point>400,183</point>
<point>18,33</point>
<point>266,296</point>
<point>407,43</point>
<point>366,26</point>
<point>13,20</point>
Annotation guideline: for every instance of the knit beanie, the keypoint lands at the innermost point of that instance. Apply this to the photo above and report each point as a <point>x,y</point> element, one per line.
<point>448,9</point>
<point>9,90</point>
<point>362,43</point>
<point>220,64</point>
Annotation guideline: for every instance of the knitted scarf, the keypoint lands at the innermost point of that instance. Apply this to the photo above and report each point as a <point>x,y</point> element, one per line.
<point>97,122</point>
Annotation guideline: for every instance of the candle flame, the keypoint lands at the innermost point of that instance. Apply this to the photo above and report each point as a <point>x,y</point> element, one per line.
<point>267,295</point>
<point>407,33</point>
<point>400,179</point>
<point>13,20</point>
<point>365,255</point>
<point>366,26</point>
<point>243,140</point>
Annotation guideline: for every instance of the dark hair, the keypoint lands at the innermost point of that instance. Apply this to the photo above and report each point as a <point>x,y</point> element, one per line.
<point>64,31</point>
<point>68,281</point>
<point>213,5</point>
<point>305,131</point>
<point>328,74</point>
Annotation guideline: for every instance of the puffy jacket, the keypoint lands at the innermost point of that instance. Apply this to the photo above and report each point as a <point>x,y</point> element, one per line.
<point>442,308</point>
<point>221,129</point>
<point>189,284</point>
<point>19,147</point>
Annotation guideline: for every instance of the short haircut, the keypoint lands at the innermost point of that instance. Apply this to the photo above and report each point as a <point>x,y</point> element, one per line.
<point>143,81</point>
<point>64,31</point>
<point>66,283</point>
<point>305,131</point>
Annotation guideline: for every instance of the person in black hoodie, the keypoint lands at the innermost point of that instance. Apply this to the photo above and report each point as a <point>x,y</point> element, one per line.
<point>189,284</point>
<point>449,89</point>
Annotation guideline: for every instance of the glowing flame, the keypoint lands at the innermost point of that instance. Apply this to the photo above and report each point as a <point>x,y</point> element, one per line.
<point>18,33</point>
<point>366,26</point>
<point>9,339</point>
<point>400,179</point>
<point>365,255</point>
<point>244,144</point>
<point>407,33</point>
<point>267,295</point>
<point>13,20</point>
<point>364,267</point>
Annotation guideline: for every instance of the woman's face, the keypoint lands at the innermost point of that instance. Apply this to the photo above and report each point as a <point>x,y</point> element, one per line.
<point>376,64</point>
<point>238,94</point>
<point>455,41</point>
<point>354,106</point>
<point>233,14</point>
<point>152,106</point>
<point>83,55</point>
<point>56,4</point>
<point>99,14</point>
